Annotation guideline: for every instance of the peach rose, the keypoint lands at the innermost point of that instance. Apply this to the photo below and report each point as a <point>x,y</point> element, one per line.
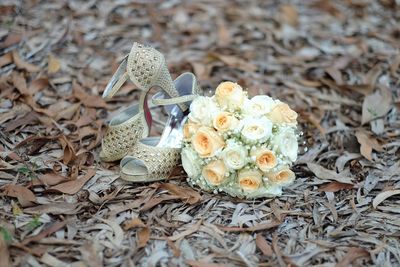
<point>207,142</point>
<point>225,121</point>
<point>214,172</point>
<point>229,95</point>
<point>282,177</point>
<point>250,179</point>
<point>189,129</point>
<point>265,159</point>
<point>281,112</point>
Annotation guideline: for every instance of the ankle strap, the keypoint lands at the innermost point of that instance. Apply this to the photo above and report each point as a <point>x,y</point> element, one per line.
<point>159,100</point>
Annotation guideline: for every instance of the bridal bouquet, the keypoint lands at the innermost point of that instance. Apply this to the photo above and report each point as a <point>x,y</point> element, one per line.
<point>240,146</point>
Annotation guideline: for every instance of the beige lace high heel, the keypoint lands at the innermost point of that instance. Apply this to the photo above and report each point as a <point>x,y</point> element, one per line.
<point>154,158</point>
<point>146,68</point>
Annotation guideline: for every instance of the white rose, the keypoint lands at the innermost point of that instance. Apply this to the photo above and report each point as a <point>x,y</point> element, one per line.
<point>286,143</point>
<point>202,110</point>
<point>234,156</point>
<point>190,162</point>
<point>256,129</point>
<point>258,106</point>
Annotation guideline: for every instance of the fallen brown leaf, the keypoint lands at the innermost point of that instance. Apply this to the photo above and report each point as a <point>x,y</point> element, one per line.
<point>257,227</point>
<point>48,231</point>
<point>325,174</point>
<point>6,59</point>
<point>24,195</point>
<point>4,254</point>
<point>74,186</point>
<point>351,255</point>
<point>134,223</point>
<point>93,101</point>
<point>68,148</point>
<point>289,14</point>
<point>143,236</point>
<point>50,178</point>
<point>194,263</point>
<point>23,64</point>
<point>184,193</point>
<point>10,40</point>
<point>263,245</point>
<point>55,208</point>
<point>235,62</point>
<point>53,64</point>
<point>367,144</point>
<point>334,187</point>
<point>28,119</point>
<point>154,201</point>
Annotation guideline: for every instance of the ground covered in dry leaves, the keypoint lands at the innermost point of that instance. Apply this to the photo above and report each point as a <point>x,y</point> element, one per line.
<point>335,63</point>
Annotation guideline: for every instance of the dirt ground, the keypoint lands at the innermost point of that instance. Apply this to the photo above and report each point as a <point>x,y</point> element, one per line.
<point>335,62</point>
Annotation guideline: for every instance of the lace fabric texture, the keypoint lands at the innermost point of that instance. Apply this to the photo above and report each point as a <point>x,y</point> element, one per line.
<point>159,161</point>
<point>147,68</point>
<point>120,138</point>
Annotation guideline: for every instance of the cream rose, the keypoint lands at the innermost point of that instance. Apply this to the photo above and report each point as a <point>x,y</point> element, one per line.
<point>190,162</point>
<point>258,106</point>
<point>286,143</point>
<point>202,110</point>
<point>265,159</point>
<point>214,172</point>
<point>282,177</point>
<point>207,142</point>
<point>256,129</point>
<point>234,156</point>
<point>281,112</point>
<point>250,180</point>
<point>230,95</point>
<point>189,129</point>
<point>225,121</point>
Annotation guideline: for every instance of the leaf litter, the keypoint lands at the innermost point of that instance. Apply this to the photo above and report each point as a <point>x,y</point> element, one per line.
<point>335,62</point>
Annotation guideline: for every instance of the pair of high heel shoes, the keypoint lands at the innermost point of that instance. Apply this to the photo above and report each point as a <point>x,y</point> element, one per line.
<point>144,158</point>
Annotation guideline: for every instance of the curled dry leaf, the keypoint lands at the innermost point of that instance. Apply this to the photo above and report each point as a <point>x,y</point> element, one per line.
<point>194,263</point>
<point>68,148</point>
<point>134,223</point>
<point>23,64</point>
<point>376,105</point>
<point>334,187</point>
<point>4,253</point>
<point>263,245</point>
<point>53,64</point>
<point>326,174</point>
<point>257,227</point>
<point>351,255</point>
<point>384,195</point>
<point>24,195</point>
<point>48,231</point>
<point>72,187</point>
<point>367,144</point>
<point>93,101</point>
<point>184,193</point>
<point>143,236</point>
<point>6,59</point>
<point>289,14</point>
<point>55,208</point>
<point>50,178</point>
